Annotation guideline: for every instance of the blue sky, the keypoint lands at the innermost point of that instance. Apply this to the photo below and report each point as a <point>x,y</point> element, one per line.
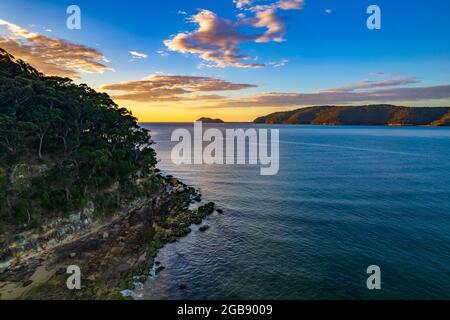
<point>325,45</point>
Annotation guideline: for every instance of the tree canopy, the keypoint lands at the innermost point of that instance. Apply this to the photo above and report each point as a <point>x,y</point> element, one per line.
<point>79,142</point>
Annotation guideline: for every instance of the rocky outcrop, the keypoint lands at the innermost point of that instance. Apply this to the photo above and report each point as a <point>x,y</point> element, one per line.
<point>111,253</point>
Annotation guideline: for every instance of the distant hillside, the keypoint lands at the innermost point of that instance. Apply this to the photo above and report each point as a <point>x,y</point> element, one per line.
<point>362,115</point>
<point>210,120</point>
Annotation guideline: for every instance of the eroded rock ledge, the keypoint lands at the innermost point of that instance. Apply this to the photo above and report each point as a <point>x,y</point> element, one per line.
<point>109,252</point>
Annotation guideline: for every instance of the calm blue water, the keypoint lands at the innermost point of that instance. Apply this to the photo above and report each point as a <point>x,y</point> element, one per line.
<point>345,198</point>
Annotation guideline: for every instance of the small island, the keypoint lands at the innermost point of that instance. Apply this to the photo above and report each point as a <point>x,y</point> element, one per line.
<point>210,120</point>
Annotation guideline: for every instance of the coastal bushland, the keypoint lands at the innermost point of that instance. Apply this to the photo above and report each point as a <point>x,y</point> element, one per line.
<point>64,145</point>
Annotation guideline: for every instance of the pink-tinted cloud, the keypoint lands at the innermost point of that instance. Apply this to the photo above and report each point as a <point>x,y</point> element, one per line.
<point>240,4</point>
<point>266,17</point>
<point>345,95</point>
<point>173,88</point>
<point>217,40</point>
<point>368,84</point>
<point>276,28</point>
<point>51,56</point>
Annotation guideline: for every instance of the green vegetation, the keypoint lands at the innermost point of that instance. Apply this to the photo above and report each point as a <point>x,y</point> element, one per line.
<point>63,145</point>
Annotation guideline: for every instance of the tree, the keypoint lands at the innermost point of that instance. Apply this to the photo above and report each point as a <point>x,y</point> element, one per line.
<point>75,141</point>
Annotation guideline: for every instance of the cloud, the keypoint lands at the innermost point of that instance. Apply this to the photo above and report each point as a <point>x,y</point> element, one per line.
<point>367,84</point>
<point>159,87</point>
<point>358,93</point>
<point>162,53</point>
<point>376,74</point>
<point>51,56</point>
<point>279,64</point>
<point>240,4</point>
<point>281,4</point>
<point>138,55</point>
<point>328,11</point>
<point>217,40</point>
<point>266,17</point>
<point>275,26</point>
<point>290,4</point>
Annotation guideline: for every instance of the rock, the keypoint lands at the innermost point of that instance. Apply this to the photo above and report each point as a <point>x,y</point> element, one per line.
<point>27,283</point>
<point>18,267</point>
<point>74,218</point>
<point>159,269</point>
<point>172,240</point>
<point>219,211</point>
<point>138,285</point>
<point>187,230</point>
<point>207,209</point>
<point>182,286</point>
<point>123,267</point>
<point>88,211</point>
<point>61,271</point>
<point>203,228</point>
<point>52,243</point>
<point>105,235</point>
<point>73,255</point>
<point>5,255</point>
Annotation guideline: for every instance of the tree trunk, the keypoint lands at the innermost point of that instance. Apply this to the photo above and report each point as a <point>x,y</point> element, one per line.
<point>41,142</point>
<point>8,203</point>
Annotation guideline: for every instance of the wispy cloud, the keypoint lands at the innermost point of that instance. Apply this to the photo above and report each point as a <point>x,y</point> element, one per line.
<point>162,53</point>
<point>279,64</point>
<point>138,55</point>
<point>50,55</point>
<point>369,84</point>
<point>159,87</point>
<point>387,91</point>
<point>376,74</point>
<point>240,4</point>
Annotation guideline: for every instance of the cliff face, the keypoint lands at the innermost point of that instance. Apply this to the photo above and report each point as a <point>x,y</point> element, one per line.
<point>362,115</point>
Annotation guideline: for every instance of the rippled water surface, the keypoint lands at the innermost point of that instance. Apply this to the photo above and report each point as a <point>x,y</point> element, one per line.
<point>345,198</point>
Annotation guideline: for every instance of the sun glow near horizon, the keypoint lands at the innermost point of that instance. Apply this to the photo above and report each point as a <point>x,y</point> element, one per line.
<point>238,60</point>
<point>176,113</point>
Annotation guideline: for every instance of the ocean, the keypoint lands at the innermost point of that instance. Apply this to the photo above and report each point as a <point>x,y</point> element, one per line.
<point>345,198</point>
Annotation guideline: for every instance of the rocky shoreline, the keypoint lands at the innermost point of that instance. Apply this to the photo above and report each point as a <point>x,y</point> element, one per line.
<point>111,254</point>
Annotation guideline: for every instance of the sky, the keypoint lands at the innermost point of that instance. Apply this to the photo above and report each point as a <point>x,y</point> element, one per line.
<point>179,60</point>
